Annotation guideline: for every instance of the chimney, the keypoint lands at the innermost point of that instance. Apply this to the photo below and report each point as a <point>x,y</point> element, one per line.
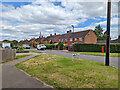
<point>50,34</point>
<point>68,31</point>
<point>55,34</point>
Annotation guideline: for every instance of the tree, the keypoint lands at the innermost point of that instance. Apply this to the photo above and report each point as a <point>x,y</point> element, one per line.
<point>99,33</point>
<point>61,45</point>
<point>15,42</point>
<point>51,42</point>
<point>35,44</point>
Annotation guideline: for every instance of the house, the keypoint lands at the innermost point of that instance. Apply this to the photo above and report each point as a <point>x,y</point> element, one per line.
<point>87,36</point>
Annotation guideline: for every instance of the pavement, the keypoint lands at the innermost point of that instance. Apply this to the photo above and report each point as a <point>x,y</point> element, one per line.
<point>114,61</point>
<point>14,78</point>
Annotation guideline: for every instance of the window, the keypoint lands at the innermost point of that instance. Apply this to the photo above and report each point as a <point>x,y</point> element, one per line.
<point>71,46</point>
<point>46,41</point>
<point>75,39</point>
<point>62,40</point>
<point>71,39</point>
<point>49,40</point>
<point>65,40</point>
<point>80,39</point>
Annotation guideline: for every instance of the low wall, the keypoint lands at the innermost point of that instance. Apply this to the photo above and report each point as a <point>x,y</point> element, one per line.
<point>7,54</point>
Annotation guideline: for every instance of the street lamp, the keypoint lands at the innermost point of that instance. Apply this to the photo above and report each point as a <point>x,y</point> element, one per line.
<point>108,33</point>
<point>73,27</point>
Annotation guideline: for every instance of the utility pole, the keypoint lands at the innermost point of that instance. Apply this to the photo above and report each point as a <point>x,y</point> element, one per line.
<point>108,33</point>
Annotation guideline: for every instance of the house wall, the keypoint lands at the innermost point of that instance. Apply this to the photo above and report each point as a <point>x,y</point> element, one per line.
<point>90,38</point>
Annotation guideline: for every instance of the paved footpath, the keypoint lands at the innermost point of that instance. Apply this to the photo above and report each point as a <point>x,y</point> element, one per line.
<point>114,61</point>
<point>14,78</point>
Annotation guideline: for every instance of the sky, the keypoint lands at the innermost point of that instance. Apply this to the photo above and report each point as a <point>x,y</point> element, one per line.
<point>25,20</point>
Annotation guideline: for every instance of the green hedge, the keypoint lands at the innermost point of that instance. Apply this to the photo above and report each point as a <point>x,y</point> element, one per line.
<point>20,51</point>
<point>114,48</point>
<point>49,46</point>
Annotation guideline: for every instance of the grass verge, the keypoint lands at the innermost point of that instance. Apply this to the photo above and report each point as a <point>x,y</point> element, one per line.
<point>96,53</point>
<point>35,51</point>
<point>17,57</point>
<point>61,72</point>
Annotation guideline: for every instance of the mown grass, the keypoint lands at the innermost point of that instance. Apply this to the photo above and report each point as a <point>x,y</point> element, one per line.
<point>97,53</point>
<point>17,57</point>
<point>61,72</point>
<point>35,51</point>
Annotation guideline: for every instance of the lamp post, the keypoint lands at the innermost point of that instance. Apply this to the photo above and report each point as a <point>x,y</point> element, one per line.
<point>108,33</point>
<point>73,27</point>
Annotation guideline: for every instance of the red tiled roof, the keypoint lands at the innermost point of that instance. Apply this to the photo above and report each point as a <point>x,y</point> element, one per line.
<point>68,35</point>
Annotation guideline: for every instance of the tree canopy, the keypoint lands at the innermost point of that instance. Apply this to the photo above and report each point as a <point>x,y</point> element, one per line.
<point>99,33</point>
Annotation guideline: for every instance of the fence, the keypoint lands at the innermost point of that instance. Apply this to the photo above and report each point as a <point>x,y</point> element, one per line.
<point>7,54</point>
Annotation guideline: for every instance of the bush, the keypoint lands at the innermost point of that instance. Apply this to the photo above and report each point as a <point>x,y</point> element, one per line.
<point>18,51</point>
<point>35,44</point>
<point>61,45</point>
<point>20,48</point>
<point>49,46</point>
<point>114,48</point>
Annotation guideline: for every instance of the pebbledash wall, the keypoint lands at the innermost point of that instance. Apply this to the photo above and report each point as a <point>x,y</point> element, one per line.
<point>7,54</point>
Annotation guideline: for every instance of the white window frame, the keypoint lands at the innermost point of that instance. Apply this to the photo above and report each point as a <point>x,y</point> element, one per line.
<point>65,40</point>
<point>62,40</point>
<point>80,39</point>
<point>75,39</point>
<point>71,39</point>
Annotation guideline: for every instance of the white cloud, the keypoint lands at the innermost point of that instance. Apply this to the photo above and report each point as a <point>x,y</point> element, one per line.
<point>27,21</point>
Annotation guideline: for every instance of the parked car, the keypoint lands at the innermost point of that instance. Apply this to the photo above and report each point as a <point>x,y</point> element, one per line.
<point>41,46</point>
<point>26,46</point>
<point>16,47</point>
<point>7,47</point>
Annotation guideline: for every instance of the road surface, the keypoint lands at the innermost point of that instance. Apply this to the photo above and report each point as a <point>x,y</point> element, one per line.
<point>113,60</point>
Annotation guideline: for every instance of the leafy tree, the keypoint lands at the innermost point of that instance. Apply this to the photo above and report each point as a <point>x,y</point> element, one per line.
<point>15,42</point>
<point>35,44</point>
<point>99,33</point>
<point>61,45</point>
<point>30,44</point>
<point>51,42</point>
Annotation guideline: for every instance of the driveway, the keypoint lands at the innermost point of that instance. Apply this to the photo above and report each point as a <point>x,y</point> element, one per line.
<point>14,78</point>
<point>113,60</point>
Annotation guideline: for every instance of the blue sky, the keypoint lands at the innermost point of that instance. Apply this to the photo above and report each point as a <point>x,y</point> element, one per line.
<point>25,20</point>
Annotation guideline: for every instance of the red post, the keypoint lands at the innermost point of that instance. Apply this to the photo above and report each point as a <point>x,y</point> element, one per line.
<point>102,48</point>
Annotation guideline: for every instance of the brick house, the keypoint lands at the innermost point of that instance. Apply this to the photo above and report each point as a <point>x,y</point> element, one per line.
<point>87,36</point>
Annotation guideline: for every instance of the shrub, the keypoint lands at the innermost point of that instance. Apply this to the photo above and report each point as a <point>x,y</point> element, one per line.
<point>22,51</point>
<point>114,48</point>
<point>49,46</point>
<point>35,44</point>
<point>61,45</point>
<point>20,48</point>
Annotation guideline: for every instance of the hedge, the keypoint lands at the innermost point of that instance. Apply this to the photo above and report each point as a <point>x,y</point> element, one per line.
<point>20,51</point>
<point>114,48</point>
<point>49,46</point>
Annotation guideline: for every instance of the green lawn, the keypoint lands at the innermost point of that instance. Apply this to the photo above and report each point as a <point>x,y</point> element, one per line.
<point>61,72</point>
<point>97,54</point>
<point>17,57</point>
<point>34,51</point>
